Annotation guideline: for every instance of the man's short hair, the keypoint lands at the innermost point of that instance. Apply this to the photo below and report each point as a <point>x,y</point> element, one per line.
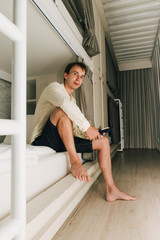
<point>70,65</point>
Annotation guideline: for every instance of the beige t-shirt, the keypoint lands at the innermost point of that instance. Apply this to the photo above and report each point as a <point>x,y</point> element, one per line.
<point>55,95</point>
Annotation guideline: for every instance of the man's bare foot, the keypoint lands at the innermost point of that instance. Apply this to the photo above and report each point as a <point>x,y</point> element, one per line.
<point>118,195</point>
<point>79,172</point>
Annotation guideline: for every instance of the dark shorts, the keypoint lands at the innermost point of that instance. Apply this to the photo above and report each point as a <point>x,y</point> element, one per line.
<point>50,138</point>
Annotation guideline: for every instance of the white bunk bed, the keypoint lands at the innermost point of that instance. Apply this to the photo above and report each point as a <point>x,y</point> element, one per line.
<point>44,167</point>
<point>51,194</point>
<point>51,191</point>
<point>16,32</point>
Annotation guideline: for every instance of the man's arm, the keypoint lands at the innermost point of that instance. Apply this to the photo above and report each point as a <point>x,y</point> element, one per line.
<point>57,96</point>
<point>74,113</point>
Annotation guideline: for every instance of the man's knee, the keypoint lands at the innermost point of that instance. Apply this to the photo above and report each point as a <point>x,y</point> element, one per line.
<point>105,143</point>
<point>58,115</point>
<point>58,112</point>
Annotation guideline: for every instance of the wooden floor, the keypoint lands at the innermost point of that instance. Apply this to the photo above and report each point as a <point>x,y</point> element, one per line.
<point>136,172</point>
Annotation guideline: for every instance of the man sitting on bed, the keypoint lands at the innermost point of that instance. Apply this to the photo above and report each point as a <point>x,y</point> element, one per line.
<point>60,124</point>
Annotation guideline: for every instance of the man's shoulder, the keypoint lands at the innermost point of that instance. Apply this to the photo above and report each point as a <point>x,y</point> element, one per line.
<point>55,84</point>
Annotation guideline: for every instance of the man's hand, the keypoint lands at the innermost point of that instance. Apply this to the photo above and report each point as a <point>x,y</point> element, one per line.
<point>92,133</point>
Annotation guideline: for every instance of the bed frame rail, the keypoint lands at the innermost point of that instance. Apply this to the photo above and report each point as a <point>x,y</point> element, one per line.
<point>15,227</point>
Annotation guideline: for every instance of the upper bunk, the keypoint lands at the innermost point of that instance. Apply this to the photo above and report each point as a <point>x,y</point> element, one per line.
<point>51,43</point>
<point>130,30</point>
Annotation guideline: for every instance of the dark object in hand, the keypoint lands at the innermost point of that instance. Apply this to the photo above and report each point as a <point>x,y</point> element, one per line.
<point>104,130</point>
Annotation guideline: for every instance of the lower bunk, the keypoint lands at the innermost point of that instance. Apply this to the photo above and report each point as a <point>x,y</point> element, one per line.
<point>52,192</point>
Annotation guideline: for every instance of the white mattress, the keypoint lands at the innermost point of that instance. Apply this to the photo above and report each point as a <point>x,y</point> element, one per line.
<point>44,167</point>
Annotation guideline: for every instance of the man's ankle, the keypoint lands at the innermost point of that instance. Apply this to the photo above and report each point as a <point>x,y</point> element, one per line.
<point>76,164</point>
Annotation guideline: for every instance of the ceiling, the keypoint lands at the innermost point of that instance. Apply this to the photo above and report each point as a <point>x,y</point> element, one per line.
<point>131,28</point>
<point>46,51</point>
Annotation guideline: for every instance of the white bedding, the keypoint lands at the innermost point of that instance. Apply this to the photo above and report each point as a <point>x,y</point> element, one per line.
<point>44,167</point>
<point>32,155</point>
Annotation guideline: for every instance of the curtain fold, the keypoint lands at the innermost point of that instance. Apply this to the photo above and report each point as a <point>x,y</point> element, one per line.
<point>69,4</point>
<point>111,73</point>
<point>76,11</point>
<point>138,92</point>
<point>156,77</point>
<point>83,11</point>
<point>90,43</point>
<point>84,98</point>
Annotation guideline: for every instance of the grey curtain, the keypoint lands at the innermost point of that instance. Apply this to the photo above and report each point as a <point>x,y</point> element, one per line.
<point>74,14</point>
<point>89,39</point>
<point>138,90</point>
<point>5,101</point>
<point>140,96</point>
<point>84,98</point>
<point>156,79</point>
<point>111,73</point>
<point>83,11</point>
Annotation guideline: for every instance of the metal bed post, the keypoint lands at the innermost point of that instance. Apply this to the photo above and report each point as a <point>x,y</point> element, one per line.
<point>120,124</point>
<point>15,226</point>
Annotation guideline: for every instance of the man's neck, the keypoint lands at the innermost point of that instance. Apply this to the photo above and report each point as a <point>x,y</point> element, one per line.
<point>69,90</point>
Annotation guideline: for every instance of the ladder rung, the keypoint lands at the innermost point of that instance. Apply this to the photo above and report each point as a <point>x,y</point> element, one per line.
<point>9,127</point>
<point>9,29</point>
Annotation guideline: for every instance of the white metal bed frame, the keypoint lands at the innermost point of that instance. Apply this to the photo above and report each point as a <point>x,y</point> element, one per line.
<point>121,147</point>
<point>15,226</point>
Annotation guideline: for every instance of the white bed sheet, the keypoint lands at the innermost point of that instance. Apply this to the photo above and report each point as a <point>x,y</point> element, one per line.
<point>44,167</point>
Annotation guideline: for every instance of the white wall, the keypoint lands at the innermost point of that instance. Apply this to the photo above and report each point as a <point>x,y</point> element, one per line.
<point>99,75</point>
<point>43,81</point>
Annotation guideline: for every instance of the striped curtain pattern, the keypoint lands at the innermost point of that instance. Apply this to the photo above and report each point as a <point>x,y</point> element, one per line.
<point>156,78</point>
<point>139,91</point>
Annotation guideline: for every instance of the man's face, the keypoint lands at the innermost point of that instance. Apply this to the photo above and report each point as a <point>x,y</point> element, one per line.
<point>74,78</point>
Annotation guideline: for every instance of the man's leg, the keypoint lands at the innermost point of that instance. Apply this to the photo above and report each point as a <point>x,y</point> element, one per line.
<point>65,130</point>
<point>113,193</point>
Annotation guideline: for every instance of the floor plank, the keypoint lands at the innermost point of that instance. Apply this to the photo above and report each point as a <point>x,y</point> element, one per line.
<point>136,172</point>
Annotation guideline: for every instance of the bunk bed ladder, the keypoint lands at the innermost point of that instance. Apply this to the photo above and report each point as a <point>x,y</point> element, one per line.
<point>14,226</point>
